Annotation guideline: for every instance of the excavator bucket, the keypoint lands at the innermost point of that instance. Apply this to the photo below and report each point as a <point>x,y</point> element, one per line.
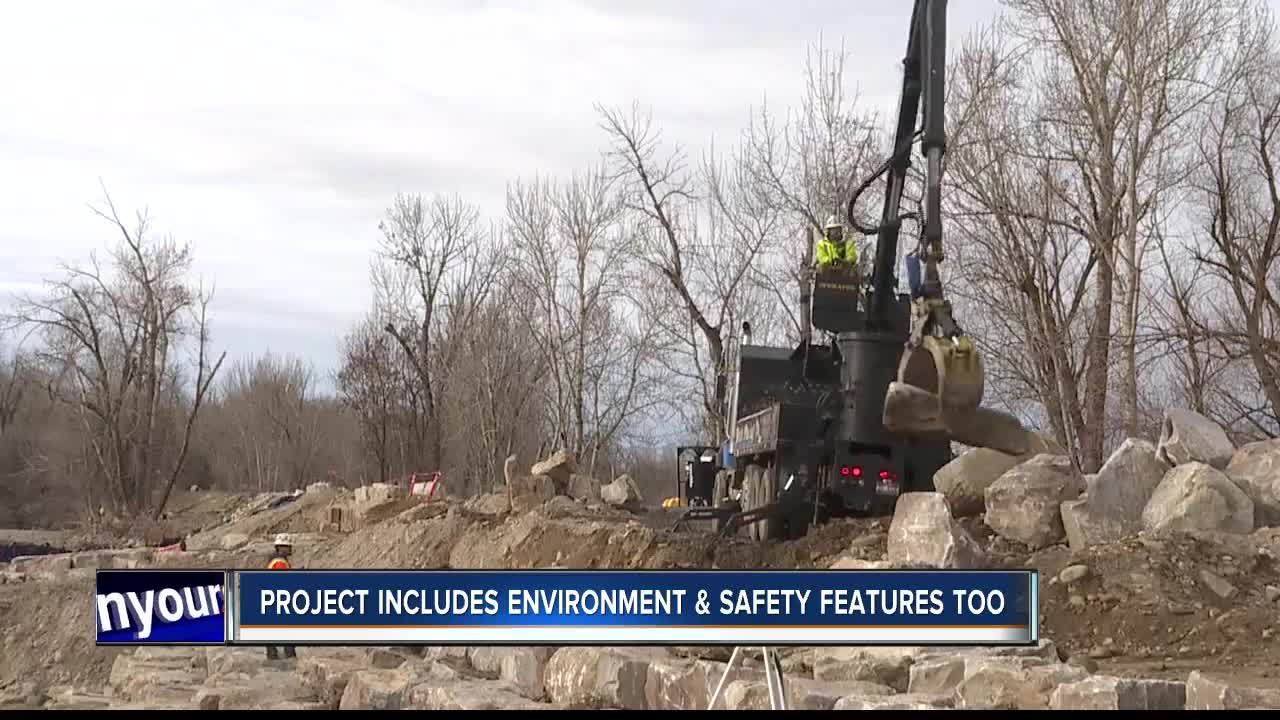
<point>950,368</point>
<point>939,393</point>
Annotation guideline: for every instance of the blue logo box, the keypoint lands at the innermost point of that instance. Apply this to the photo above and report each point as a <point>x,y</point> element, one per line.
<point>161,607</point>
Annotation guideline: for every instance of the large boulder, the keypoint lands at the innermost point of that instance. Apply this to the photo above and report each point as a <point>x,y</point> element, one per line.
<point>160,675</point>
<point>908,701</point>
<point>530,491</point>
<point>621,492</point>
<point>524,668</point>
<point>1013,683</point>
<point>683,684</point>
<point>600,677</point>
<point>802,694</point>
<point>923,534</point>
<point>1024,504</point>
<point>1196,496</point>
<point>1256,468</point>
<point>377,690</point>
<point>378,493</point>
<point>1187,436</point>
<point>521,667</point>
<point>559,466</point>
<point>234,660</point>
<point>890,666</point>
<point>584,488</point>
<point>964,481</point>
<point>1114,498</point>
<point>677,684</point>
<point>1208,692</point>
<point>469,695</point>
<point>326,671</point>
<point>1102,692</point>
<point>936,675</point>
<point>259,691</point>
<point>911,410</point>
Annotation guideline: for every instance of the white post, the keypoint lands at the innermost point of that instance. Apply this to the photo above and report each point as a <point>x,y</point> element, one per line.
<point>728,669</point>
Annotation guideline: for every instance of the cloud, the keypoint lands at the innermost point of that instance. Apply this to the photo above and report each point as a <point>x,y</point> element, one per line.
<point>272,134</point>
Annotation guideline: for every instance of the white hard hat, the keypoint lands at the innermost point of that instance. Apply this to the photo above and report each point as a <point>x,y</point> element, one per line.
<point>833,222</point>
<point>284,539</point>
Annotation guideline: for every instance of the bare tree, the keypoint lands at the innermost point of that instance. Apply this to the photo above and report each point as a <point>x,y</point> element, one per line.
<point>424,242</point>
<point>270,415</point>
<point>1239,191</point>
<point>1072,123</point>
<point>368,384</point>
<point>572,253</point>
<point>682,234</point>
<point>14,385</point>
<point>117,332</point>
<point>494,402</point>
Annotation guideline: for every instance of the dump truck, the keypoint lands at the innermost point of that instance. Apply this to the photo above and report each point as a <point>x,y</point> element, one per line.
<point>866,406</point>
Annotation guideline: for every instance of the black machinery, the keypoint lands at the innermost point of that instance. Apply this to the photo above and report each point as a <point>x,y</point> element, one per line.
<point>807,424</point>
<point>697,466</point>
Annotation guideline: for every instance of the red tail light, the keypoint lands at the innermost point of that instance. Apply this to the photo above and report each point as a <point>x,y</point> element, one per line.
<point>854,471</point>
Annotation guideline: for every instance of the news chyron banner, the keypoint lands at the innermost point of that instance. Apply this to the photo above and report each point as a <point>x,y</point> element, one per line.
<point>570,607</point>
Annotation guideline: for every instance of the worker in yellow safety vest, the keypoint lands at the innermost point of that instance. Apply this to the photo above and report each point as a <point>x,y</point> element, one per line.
<point>834,251</point>
<point>280,561</point>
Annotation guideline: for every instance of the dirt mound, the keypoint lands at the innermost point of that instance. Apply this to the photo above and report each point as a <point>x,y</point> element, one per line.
<point>396,543</point>
<point>47,634</point>
<point>390,509</point>
<point>572,535</point>
<point>188,513</point>
<point>1164,601</point>
<point>278,514</point>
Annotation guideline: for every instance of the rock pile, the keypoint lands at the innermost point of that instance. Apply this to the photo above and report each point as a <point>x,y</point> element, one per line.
<point>525,678</point>
<point>1193,480</point>
<point>558,476</point>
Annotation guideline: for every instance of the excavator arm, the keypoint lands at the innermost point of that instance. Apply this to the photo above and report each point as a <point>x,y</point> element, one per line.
<point>939,358</point>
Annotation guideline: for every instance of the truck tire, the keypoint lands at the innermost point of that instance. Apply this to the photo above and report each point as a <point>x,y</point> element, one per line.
<point>769,528</point>
<point>720,498</point>
<point>752,496</point>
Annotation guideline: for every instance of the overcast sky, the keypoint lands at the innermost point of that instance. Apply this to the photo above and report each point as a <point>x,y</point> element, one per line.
<point>272,135</point>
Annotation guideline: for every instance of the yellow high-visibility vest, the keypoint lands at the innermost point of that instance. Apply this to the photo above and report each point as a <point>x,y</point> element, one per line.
<point>830,253</point>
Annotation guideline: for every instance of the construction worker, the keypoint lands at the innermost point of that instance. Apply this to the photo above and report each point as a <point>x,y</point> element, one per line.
<point>280,561</point>
<point>834,251</point>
